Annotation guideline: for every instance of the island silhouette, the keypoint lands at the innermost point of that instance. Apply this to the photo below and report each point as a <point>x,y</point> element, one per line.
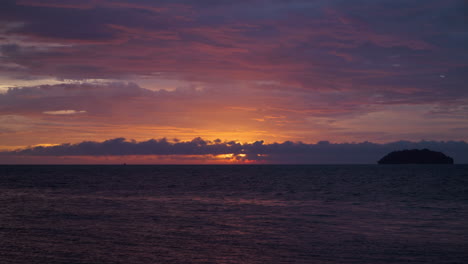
<point>416,156</point>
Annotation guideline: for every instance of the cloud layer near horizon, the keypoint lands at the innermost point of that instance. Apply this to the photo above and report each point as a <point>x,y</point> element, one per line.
<point>287,152</point>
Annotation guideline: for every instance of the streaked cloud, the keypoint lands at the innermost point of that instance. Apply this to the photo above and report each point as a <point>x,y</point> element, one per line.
<point>64,112</point>
<point>98,109</point>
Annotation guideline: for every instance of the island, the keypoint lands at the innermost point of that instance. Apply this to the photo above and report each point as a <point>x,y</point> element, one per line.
<point>416,156</point>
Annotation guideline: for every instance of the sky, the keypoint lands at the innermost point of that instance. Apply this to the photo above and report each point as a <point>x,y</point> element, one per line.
<point>338,75</point>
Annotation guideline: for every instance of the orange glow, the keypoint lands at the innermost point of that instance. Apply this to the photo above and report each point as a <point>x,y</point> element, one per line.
<point>232,158</point>
<point>45,145</point>
<point>131,159</point>
<point>225,156</point>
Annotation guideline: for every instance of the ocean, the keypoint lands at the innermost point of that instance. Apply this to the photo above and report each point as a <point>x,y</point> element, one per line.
<point>234,214</point>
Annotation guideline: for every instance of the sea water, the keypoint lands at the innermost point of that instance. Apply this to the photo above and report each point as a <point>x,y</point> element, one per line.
<point>234,214</point>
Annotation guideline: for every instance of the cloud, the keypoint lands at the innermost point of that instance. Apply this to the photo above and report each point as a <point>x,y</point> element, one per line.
<point>324,65</point>
<point>64,112</point>
<point>287,152</point>
<point>57,99</point>
<point>319,45</point>
<point>100,110</point>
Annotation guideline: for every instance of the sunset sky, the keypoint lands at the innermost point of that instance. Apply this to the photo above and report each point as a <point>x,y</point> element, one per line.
<point>228,72</point>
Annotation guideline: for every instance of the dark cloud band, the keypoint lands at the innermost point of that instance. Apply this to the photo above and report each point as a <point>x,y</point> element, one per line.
<point>286,152</point>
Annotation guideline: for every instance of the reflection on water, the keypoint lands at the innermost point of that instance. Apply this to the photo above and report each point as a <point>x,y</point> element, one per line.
<point>233,214</point>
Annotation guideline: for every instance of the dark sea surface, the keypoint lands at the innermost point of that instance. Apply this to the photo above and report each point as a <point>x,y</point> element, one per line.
<point>234,214</point>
